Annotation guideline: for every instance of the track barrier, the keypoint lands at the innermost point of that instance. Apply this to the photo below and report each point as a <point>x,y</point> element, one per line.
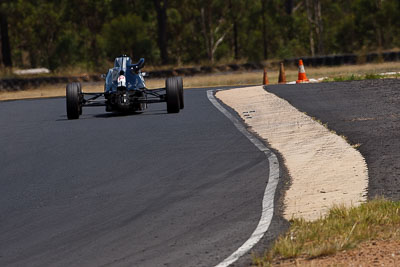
<point>22,83</point>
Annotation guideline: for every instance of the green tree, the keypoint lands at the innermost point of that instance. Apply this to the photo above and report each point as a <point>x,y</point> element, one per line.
<point>4,36</point>
<point>119,36</point>
<point>36,28</point>
<point>89,33</point>
<point>162,25</point>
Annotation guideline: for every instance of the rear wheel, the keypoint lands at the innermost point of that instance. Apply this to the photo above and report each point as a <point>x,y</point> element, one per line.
<point>173,99</point>
<point>80,97</point>
<point>74,108</point>
<point>180,87</point>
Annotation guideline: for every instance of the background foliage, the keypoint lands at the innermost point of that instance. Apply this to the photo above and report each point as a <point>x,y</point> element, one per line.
<point>87,33</point>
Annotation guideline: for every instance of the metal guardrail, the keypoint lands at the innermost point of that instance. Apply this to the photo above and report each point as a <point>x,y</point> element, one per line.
<point>344,59</point>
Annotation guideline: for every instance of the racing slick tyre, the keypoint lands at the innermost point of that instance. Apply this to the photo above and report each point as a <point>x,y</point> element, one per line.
<point>180,87</point>
<point>80,97</point>
<point>173,99</point>
<point>73,101</point>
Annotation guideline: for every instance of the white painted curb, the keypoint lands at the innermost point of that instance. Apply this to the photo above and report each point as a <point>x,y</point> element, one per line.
<point>269,193</point>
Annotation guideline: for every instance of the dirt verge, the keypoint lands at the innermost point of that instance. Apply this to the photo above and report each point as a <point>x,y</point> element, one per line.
<point>373,253</point>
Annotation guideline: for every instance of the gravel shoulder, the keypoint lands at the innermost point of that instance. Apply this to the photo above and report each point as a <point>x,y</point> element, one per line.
<point>324,168</point>
<point>366,113</point>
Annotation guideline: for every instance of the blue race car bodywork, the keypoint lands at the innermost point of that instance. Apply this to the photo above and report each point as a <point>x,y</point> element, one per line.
<point>134,77</point>
<point>125,88</point>
<point>125,91</point>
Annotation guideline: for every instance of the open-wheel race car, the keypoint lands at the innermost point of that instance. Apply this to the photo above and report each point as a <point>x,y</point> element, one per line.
<point>125,91</point>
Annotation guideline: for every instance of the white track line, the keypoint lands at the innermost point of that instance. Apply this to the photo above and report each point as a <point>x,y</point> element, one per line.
<point>269,194</point>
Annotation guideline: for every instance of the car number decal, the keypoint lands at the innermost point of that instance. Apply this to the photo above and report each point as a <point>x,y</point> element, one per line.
<point>121,81</point>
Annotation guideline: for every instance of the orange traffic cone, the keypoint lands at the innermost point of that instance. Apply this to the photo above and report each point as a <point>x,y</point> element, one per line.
<point>282,75</point>
<point>302,73</point>
<point>265,79</point>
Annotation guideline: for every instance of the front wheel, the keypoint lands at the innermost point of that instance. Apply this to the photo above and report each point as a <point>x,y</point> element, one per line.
<point>173,99</point>
<point>74,107</point>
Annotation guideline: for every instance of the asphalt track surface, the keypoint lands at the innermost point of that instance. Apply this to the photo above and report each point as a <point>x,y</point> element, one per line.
<point>152,189</point>
<point>367,113</point>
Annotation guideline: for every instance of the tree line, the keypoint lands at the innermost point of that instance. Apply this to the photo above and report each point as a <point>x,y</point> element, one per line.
<point>59,34</point>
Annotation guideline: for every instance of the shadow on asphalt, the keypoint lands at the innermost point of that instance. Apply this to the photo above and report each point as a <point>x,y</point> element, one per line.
<point>124,114</point>
<point>117,114</point>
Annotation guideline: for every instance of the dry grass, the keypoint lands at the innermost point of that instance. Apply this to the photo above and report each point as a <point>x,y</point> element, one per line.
<point>47,91</point>
<point>358,70</point>
<point>343,228</point>
<point>225,79</point>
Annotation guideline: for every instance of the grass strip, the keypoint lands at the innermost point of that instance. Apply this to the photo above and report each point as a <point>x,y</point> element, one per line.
<point>353,77</point>
<point>343,228</point>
